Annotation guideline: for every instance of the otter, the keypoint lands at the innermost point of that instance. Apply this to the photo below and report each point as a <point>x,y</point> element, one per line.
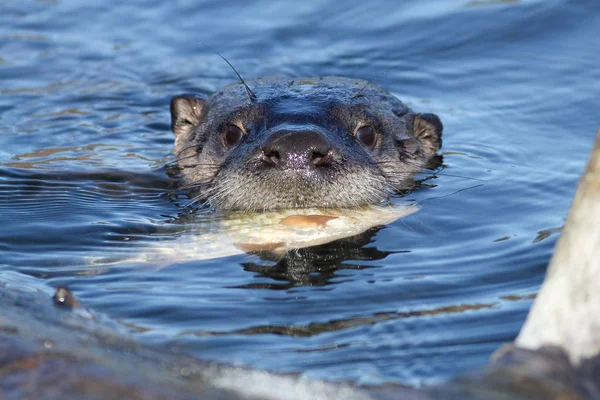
<point>277,143</point>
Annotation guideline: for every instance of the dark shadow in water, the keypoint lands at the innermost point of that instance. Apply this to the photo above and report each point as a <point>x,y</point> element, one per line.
<point>154,179</point>
<point>317,328</point>
<point>315,266</point>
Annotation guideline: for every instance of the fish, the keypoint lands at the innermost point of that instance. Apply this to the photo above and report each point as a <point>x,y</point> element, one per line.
<point>217,235</point>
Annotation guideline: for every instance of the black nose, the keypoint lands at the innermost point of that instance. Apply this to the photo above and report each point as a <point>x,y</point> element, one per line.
<point>297,149</point>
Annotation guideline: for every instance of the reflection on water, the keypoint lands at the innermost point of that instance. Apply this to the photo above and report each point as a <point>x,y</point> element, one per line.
<point>84,138</point>
<point>332,326</point>
<point>315,266</point>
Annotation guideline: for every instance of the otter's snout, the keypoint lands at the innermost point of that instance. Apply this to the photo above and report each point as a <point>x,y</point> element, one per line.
<point>297,149</point>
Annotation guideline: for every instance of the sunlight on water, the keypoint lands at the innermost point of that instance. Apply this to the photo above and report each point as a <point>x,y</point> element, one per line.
<point>85,137</point>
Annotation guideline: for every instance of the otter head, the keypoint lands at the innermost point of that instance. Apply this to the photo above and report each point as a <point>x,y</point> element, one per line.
<point>316,142</point>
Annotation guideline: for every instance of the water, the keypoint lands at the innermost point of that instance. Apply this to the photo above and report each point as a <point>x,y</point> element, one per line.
<point>84,137</point>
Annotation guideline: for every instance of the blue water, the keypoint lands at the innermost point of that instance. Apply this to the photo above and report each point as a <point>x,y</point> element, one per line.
<point>84,140</point>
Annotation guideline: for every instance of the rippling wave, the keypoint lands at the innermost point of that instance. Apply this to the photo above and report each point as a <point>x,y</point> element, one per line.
<point>84,138</point>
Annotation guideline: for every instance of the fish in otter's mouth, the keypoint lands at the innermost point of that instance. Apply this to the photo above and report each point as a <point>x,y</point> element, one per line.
<point>298,143</point>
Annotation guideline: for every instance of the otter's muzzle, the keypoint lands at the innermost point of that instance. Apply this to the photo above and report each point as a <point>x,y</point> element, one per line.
<point>297,149</point>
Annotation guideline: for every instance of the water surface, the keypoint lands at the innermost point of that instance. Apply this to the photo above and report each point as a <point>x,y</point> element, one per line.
<point>84,140</point>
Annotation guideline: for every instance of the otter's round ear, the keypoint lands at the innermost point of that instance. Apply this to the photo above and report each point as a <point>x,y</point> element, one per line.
<point>186,111</point>
<point>427,129</point>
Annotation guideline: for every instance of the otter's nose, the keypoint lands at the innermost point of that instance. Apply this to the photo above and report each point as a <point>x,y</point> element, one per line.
<point>297,149</point>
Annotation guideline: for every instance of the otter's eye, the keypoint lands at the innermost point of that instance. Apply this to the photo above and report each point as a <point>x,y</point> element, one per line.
<point>233,135</point>
<point>366,135</point>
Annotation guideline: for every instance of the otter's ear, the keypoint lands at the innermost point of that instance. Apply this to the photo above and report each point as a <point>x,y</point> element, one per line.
<point>427,129</point>
<point>186,111</point>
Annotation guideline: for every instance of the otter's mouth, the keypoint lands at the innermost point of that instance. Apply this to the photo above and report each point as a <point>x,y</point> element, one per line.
<point>347,187</point>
